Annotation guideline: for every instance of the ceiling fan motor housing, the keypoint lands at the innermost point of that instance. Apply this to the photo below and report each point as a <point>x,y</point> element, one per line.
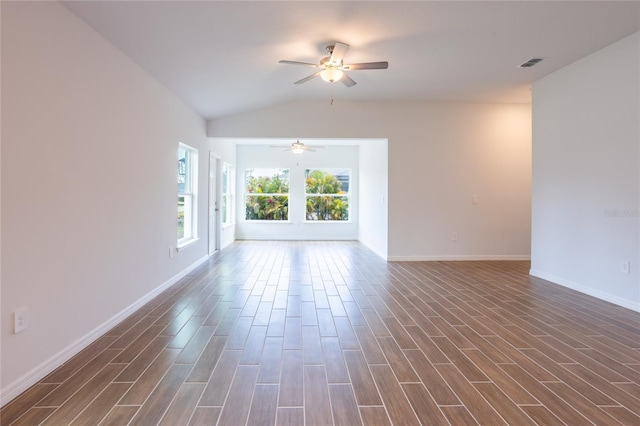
<point>326,61</point>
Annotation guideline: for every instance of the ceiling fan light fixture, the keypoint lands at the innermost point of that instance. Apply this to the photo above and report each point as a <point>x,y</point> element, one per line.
<point>332,67</point>
<point>297,148</point>
<point>331,75</point>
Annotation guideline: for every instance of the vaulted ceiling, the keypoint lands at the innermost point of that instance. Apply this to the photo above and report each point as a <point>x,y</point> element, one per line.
<point>221,57</point>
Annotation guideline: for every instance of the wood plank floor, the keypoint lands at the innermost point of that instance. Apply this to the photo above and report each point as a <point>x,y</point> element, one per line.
<point>321,333</point>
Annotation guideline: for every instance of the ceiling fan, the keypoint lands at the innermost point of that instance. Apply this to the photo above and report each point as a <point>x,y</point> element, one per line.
<point>298,147</point>
<point>332,67</point>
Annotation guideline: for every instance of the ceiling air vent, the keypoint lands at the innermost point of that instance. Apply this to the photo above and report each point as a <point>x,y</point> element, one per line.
<point>531,62</point>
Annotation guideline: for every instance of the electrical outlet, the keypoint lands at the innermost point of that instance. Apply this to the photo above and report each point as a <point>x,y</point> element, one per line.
<point>625,267</point>
<point>20,320</point>
<point>170,252</point>
<point>454,236</point>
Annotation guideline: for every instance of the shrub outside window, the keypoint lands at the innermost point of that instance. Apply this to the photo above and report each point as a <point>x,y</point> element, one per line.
<point>267,194</point>
<point>327,194</point>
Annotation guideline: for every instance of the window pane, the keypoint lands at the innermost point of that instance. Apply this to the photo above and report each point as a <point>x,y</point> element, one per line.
<point>327,181</point>
<point>227,194</point>
<point>184,172</point>
<point>335,184</point>
<point>180,217</point>
<point>225,213</point>
<point>267,207</point>
<point>267,181</point>
<point>187,167</point>
<point>327,207</point>
<point>225,179</point>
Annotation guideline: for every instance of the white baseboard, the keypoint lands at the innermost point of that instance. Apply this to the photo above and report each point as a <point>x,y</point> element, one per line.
<point>598,294</point>
<point>295,238</point>
<point>32,377</point>
<point>459,257</point>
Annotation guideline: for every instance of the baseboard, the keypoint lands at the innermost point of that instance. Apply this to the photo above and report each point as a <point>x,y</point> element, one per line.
<point>607,297</point>
<point>456,257</point>
<point>32,377</point>
<point>295,238</point>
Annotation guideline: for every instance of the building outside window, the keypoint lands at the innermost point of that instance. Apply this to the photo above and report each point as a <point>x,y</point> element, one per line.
<point>267,194</point>
<point>187,193</point>
<point>327,194</point>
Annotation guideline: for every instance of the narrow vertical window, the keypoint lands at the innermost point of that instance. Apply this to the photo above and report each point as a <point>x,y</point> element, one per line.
<point>227,194</point>
<point>187,192</point>
<point>327,194</point>
<point>267,194</point>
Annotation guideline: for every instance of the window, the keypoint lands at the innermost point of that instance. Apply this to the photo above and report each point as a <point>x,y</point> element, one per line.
<point>187,191</point>
<point>327,194</point>
<point>227,194</point>
<point>267,194</point>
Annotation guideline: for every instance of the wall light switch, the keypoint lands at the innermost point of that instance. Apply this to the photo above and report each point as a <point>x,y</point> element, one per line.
<point>475,199</point>
<point>625,267</point>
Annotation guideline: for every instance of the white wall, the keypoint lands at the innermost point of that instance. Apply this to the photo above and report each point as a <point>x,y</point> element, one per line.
<point>374,193</point>
<point>263,156</point>
<point>439,156</point>
<point>89,187</point>
<point>586,179</point>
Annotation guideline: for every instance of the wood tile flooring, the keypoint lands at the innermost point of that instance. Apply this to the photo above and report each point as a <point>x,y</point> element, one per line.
<point>320,333</point>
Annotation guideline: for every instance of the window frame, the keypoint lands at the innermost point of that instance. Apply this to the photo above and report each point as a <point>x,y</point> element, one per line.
<point>269,194</point>
<point>227,197</point>
<point>189,193</point>
<point>346,195</point>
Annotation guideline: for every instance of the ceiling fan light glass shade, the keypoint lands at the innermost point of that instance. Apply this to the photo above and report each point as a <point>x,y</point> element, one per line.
<point>331,75</point>
<point>297,148</point>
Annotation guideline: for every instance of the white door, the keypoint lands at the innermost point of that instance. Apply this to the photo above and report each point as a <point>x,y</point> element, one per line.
<point>213,204</point>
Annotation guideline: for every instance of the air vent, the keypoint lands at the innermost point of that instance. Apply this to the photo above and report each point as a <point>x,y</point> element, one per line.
<point>531,62</point>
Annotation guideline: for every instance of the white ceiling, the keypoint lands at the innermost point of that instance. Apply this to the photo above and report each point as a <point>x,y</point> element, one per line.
<point>221,57</point>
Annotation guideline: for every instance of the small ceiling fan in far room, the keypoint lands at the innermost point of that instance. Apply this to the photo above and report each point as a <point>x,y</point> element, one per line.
<point>298,147</point>
<point>332,67</point>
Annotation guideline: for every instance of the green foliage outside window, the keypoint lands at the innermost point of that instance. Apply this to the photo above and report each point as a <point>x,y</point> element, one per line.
<point>326,196</point>
<point>267,195</point>
<point>267,207</point>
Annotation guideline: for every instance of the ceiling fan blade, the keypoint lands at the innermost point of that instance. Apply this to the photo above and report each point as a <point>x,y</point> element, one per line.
<point>304,80</point>
<point>299,63</point>
<point>339,50</point>
<point>367,66</point>
<point>347,81</point>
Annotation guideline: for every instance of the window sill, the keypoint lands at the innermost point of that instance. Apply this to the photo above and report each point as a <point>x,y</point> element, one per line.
<point>188,243</point>
<point>327,221</point>
<point>227,225</point>
<point>282,222</point>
